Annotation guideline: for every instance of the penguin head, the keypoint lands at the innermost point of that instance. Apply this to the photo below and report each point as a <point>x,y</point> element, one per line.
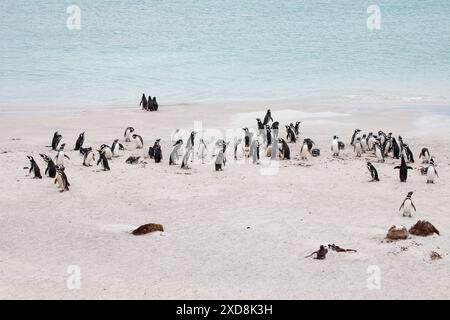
<point>30,158</point>
<point>62,146</point>
<point>82,134</point>
<point>116,140</point>
<point>135,136</point>
<point>335,137</point>
<point>410,193</point>
<point>245,129</point>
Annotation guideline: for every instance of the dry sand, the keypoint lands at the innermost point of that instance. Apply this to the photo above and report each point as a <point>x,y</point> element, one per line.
<point>236,234</point>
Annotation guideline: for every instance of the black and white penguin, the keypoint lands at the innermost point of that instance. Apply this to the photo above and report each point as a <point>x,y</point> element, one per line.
<point>309,143</point>
<point>107,151</point>
<point>290,134</point>
<point>408,205</point>
<point>155,104</point>
<point>407,151</point>
<point>138,141</point>
<point>88,158</point>
<point>202,150</point>
<point>267,117</point>
<point>132,160</point>
<point>382,137</point>
<point>143,102</point>
<point>354,136</point>
<point>35,168</point>
<point>370,140</point>
<point>297,128</point>
<point>261,129</point>
<point>275,127</point>
<point>221,159</point>
<point>247,141</point>
<point>51,168</point>
<point>364,145</point>
<point>401,144</point>
<point>173,159</point>
<point>61,179</point>
<point>151,149</point>
<point>127,134</point>
<point>431,172</point>
<point>373,171</point>
<point>335,146</point>
<point>395,148</point>
<point>157,152</point>
<point>116,147</point>
<point>268,136</point>
<point>83,151</point>
<point>424,155</point>
<point>187,158</point>
<point>378,151</point>
<point>304,150</point>
<point>60,155</point>
<point>56,140</point>
<point>387,146</point>
<point>285,152</point>
<point>79,142</point>
<point>341,145</point>
<point>403,167</point>
<point>191,140</point>
<point>103,160</point>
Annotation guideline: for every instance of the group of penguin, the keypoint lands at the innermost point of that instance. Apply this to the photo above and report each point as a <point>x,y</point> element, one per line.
<point>149,104</point>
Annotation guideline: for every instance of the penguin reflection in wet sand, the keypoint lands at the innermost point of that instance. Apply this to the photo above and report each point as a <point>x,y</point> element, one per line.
<point>408,205</point>
<point>102,159</point>
<point>35,168</point>
<point>373,172</point>
<point>431,172</point>
<point>173,159</point>
<point>127,134</point>
<point>51,168</point>
<point>61,179</point>
<point>403,170</point>
<point>79,142</point>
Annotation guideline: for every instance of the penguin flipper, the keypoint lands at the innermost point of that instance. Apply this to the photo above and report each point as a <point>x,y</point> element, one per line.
<point>397,167</point>
<point>412,204</point>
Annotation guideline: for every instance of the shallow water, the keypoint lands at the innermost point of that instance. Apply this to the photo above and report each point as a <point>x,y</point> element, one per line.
<point>210,50</point>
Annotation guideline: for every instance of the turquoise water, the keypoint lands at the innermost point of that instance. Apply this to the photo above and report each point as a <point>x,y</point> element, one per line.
<point>186,51</point>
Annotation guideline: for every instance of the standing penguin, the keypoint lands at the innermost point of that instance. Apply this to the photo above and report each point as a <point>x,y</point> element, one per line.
<point>107,151</point>
<point>304,151</point>
<point>297,128</point>
<point>407,151</point>
<point>373,172</point>
<point>35,168</point>
<point>138,141</point>
<point>221,158</point>
<point>275,128</point>
<point>59,158</point>
<point>79,142</point>
<point>267,117</point>
<point>143,102</point>
<point>247,140</point>
<point>425,155</point>
<point>364,145</point>
<point>408,205</point>
<point>56,140</point>
<point>431,172</point>
<point>370,140</point>
<point>309,143</point>
<point>173,159</point>
<point>357,146</point>
<point>61,179</point>
<point>335,146</point>
<point>116,147</point>
<point>157,153</point>
<point>354,136</point>
<point>269,136</point>
<point>127,134</point>
<point>261,129</point>
<point>378,151</point>
<point>191,140</point>
<point>202,151</point>
<point>382,137</point>
<point>237,147</point>
<point>403,170</point>
<point>102,159</point>
<point>155,104</point>
<point>51,168</point>
<point>285,152</point>
<point>88,158</point>
<point>395,148</point>
<point>186,158</point>
<point>290,134</point>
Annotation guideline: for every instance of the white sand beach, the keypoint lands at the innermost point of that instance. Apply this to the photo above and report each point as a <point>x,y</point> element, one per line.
<point>242,233</point>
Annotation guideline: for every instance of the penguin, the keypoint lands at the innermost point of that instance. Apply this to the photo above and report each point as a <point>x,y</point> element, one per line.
<point>186,158</point>
<point>378,151</point>
<point>261,129</point>
<point>83,151</point>
<point>221,157</point>
<point>191,140</point>
<point>382,137</point>
<point>254,151</point>
<point>247,141</point>
<point>408,205</point>
<point>139,141</point>
<point>202,150</point>
<point>357,147</point>
<point>335,146</point>
<point>103,160</point>
<point>59,158</point>
<point>79,142</point>
<point>400,142</point>
<point>309,143</point>
<point>56,140</point>
<point>355,134</point>
<point>407,151</point>
<point>150,104</point>
<point>395,148</point>
<point>155,104</point>
<point>51,168</point>
<point>364,146</point>
<point>275,127</point>
<point>107,151</point>
<point>237,147</point>
<point>132,160</point>
<point>127,134</point>
<point>267,117</point>
<point>88,158</point>
<point>341,145</point>
<point>35,168</point>
<point>116,147</point>
<point>304,150</point>
<point>431,172</point>
<point>61,179</point>
<point>143,102</point>
<point>285,152</point>
<point>290,134</point>
<point>151,150</point>
<point>424,155</point>
<point>173,159</point>
<point>297,128</point>
<point>370,141</point>
<point>387,147</point>
<point>403,170</point>
<point>373,171</point>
